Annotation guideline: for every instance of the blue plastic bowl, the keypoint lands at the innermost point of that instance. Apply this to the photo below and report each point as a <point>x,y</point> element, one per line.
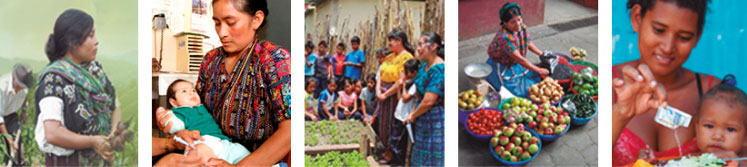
<point>464,114</point>
<point>520,163</point>
<point>483,138</point>
<point>547,137</point>
<point>583,121</point>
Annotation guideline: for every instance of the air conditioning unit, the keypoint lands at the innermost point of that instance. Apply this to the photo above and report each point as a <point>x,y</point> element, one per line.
<point>189,52</point>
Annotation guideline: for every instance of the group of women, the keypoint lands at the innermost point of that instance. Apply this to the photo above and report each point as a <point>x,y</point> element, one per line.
<point>428,115</point>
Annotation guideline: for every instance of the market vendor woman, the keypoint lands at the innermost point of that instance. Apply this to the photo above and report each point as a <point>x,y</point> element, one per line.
<point>508,52</point>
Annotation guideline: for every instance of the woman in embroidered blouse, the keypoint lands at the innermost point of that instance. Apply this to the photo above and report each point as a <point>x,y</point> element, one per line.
<point>509,49</point>
<point>390,71</point>
<point>428,116</point>
<point>245,84</point>
<point>76,101</point>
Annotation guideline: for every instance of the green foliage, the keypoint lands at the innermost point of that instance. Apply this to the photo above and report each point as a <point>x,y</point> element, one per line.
<point>327,132</point>
<point>335,158</point>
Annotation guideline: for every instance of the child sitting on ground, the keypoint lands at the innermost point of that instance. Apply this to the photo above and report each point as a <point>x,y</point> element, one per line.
<point>190,114</point>
<point>327,100</point>
<point>721,121</point>
<point>310,102</point>
<point>368,103</point>
<point>348,101</point>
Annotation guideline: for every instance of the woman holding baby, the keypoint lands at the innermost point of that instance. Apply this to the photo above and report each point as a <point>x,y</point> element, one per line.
<point>245,85</point>
<point>668,30</point>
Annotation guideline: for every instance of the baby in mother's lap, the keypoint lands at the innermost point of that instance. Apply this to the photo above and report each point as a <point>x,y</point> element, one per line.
<point>190,114</point>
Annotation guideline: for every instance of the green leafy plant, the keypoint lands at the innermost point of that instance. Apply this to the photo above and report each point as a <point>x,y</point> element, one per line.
<point>332,132</point>
<point>335,158</point>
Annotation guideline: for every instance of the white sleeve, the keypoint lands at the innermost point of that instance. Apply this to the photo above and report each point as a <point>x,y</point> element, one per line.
<point>378,73</point>
<point>412,90</point>
<point>176,123</point>
<point>51,109</point>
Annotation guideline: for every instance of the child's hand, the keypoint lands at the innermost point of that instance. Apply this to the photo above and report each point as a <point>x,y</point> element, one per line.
<point>347,113</point>
<point>189,136</point>
<point>162,117</point>
<point>313,118</point>
<point>409,119</point>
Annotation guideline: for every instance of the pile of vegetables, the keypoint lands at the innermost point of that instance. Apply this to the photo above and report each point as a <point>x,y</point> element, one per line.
<point>516,109</point>
<point>548,120</point>
<point>336,158</point>
<point>485,121</point>
<point>547,91</point>
<point>706,159</point>
<point>579,106</point>
<point>585,82</point>
<point>513,143</point>
<point>578,54</point>
<point>328,132</point>
<point>470,100</point>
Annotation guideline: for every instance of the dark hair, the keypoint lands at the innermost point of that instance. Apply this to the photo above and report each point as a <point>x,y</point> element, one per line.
<point>383,51</point>
<point>309,45</point>
<point>728,94</point>
<point>334,80</point>
<point>412,65</point>
<point>509,12</point>
<point>71,29</point>
<point>309,81</point>
<point>346,81</point>
<point>355,39</point>
<point>433,38</point>
<point>371,76</point>
<point>251,7</point>
<point>341,45</point>
<point>171,93</point>
<point>323,43</point>
<point>400,35</point>
<point>698,6</point>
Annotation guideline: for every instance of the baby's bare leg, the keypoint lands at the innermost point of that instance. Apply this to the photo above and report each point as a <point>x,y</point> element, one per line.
<point>202,151</point>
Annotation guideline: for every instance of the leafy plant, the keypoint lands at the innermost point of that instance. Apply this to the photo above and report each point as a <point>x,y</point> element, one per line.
<point>332,132</point>
<point>335,158</point>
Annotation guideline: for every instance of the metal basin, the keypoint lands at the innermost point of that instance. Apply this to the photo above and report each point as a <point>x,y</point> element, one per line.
<point>478,70</point>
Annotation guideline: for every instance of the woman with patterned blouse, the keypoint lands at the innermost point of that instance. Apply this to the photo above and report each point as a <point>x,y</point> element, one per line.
<point>508,52</point>
<point>245,84</point>
<point>428,116</point>
<point>76,101</point>
<point>390,71</point>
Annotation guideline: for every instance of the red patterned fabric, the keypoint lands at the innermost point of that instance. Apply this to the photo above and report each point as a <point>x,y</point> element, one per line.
<point>251,100</point>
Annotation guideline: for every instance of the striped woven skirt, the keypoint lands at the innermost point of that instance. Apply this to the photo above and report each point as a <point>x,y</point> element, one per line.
<point>428,149</point>
<point>386,114</point>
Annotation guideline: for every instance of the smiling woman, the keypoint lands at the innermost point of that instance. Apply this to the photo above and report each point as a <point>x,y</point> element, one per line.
<point>668,30</point>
